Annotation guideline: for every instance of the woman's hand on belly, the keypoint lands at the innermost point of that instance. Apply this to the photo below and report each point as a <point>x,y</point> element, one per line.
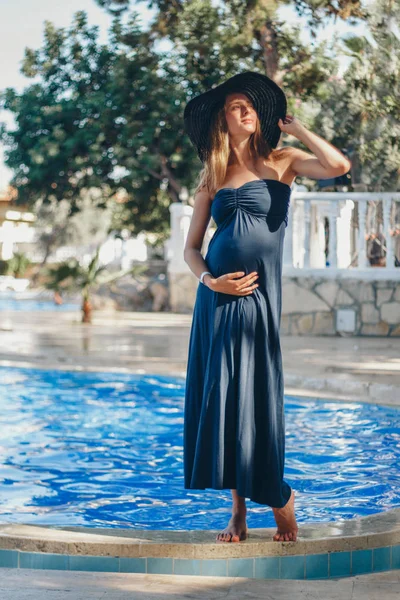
<point>234,283</point>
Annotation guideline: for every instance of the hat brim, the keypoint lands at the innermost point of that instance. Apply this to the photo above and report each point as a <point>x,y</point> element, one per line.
<point>268,99</point>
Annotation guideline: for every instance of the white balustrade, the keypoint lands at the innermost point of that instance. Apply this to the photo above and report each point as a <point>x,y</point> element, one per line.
<point>305,247</point>
<point>305,250</point>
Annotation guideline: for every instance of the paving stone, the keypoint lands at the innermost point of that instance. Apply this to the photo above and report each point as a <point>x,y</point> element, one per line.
<point>61,585</point>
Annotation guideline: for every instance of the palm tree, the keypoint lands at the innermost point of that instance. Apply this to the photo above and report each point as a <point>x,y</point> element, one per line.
<point>18,264</point>
<point>61,278</point>
<point>71,275</point>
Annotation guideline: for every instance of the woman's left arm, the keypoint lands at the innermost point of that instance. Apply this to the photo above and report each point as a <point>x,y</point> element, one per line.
<point>326,162</point>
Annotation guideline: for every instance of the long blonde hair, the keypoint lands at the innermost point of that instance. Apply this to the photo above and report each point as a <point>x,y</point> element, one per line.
<point>214,170</point>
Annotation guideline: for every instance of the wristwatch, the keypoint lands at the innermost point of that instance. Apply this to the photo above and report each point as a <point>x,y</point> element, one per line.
<point>202,276</point>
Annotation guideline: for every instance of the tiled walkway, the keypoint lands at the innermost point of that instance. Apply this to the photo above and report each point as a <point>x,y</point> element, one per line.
<point>59,585</point>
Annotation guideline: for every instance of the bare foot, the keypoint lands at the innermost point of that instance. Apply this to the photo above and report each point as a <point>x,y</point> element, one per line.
<point>236,531</point>
<point>286,522</point>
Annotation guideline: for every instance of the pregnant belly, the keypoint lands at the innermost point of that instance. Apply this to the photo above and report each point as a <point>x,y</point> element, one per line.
<point>250,252</point>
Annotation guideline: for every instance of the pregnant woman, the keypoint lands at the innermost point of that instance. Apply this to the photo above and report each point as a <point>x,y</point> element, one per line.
<point>234,424</point>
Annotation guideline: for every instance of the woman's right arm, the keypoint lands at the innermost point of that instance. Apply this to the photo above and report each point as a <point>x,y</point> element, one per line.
<point>197,229</point>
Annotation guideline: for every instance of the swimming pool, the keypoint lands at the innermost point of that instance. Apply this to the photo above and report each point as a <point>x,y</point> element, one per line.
<point>10,301</point>
<point>105,450</point>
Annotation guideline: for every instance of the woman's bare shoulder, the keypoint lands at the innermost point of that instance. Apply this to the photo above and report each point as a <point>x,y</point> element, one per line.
<point>203,193</point>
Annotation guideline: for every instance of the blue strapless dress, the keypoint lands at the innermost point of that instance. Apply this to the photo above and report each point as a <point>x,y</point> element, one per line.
<point>234,423</point>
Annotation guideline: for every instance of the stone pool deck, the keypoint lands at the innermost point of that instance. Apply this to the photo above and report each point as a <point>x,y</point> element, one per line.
<point>363,369</point>
<point>354,369</point>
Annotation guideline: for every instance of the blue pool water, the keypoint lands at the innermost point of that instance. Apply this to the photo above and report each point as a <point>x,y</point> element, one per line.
<point>8,301</point>
<point>105,450</point>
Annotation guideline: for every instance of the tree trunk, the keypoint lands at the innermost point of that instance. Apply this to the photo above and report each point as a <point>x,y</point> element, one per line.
<point>269,44</point>
<point>86,311</point>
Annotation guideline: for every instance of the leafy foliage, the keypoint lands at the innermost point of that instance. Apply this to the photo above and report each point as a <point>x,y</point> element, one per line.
<point>71,275</point>
<point>18,264</point>
<point>362,111</point>
<point>109,116</point>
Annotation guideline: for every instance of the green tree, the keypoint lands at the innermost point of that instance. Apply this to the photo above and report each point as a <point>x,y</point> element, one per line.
<point>361,111</point>
<point>169,12</point>
<point>60,143</point>
<point>109,116</point>
<point>89,121</point>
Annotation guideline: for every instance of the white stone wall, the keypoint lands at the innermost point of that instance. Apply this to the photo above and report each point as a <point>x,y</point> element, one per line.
<point>311,306</point>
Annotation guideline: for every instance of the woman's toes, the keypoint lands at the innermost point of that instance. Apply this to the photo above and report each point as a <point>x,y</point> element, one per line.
<point>287,536</point>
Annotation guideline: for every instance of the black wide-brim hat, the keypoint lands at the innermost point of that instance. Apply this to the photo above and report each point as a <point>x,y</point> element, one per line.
<point>268,99</point>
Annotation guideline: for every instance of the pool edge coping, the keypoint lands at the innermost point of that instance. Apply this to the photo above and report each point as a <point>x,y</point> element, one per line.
<point>380,530</point>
